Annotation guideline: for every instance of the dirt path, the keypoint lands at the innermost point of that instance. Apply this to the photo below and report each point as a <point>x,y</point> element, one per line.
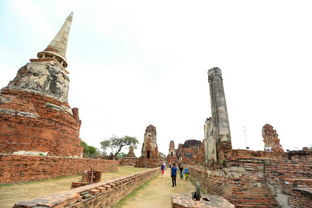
<point>156,193</point>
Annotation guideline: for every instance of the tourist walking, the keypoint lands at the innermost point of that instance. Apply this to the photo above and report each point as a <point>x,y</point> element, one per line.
<point>174,175</point>
<point>186,173</point>
<point>181,171</point>
<point>163,169</point>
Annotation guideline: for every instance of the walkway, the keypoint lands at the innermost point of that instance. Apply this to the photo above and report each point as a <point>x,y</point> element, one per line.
<point>156,193</point>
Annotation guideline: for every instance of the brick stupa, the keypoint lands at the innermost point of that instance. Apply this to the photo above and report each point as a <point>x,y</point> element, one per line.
<point>150,155</point>
<point>131,152</point>
<point>35,117</point>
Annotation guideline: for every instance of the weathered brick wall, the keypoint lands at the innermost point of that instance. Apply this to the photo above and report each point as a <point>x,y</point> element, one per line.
<point>96,195</point>
<point>284,177</point>
<point>17,168</point>
<point>241,182</point>
<point>36,123</point>
<point>264,180</point>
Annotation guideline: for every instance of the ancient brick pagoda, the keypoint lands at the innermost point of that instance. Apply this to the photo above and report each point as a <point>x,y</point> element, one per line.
<point>130,160</point>
<point>270,139</point>
<point>131,152</point>
<point>35,117</point>
<point>150,155</point>
<point>172,151</point>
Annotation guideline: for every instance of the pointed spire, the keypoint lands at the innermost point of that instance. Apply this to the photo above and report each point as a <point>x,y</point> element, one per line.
<point>57,48</point>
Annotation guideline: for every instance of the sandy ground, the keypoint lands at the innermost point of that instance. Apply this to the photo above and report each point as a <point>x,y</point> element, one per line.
<point>156,193</point>
<point>9,194</point>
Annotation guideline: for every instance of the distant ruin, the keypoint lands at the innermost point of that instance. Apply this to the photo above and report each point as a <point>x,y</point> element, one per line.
<point>130,160</point>
<point>270,139</point>
<point>149,154</point>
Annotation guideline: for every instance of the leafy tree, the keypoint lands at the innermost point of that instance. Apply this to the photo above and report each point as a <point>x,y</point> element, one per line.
<point>121,154</point>
<point>115,144</point>
<point>89,151</point>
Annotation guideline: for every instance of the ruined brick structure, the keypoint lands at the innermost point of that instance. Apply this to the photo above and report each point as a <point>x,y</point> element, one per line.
<point>130,160</point>
<point>270,139</point>
<point>35,117</point>
<point>172,151</point>
<point>247,178</point>
<point>131,152</point>
<point>149,154</point>
<point>172,155</point>
<point>88,177</point>
<point>189,151</point>
<point>218,128</point>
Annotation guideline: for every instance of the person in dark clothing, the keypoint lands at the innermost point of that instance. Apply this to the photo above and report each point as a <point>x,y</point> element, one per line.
<point>181,171</point>
<point>174,175</point>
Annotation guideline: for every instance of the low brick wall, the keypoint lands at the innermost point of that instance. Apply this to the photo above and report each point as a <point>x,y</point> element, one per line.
<point>99,195</point>
<point>20,168</point>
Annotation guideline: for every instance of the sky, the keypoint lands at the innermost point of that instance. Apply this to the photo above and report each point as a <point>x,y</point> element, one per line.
<point>140,62</point>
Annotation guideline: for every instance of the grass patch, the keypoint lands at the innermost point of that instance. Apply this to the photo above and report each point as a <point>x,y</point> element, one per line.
<point>121,202</point>
<point>38,181</point>
<point>11,193</point>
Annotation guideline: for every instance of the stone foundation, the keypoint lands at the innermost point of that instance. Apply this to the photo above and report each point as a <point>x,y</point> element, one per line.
<point>185,201</point>
<point>97,195</point>
<point>17,168</point>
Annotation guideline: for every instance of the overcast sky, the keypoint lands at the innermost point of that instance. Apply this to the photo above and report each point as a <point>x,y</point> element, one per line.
<point>135,63</point>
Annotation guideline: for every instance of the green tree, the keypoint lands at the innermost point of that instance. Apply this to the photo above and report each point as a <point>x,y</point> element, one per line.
<point>115,144</point>
<point>89,151</point>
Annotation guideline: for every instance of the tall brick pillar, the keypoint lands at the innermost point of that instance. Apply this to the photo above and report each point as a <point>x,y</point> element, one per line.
<point>220,120</point>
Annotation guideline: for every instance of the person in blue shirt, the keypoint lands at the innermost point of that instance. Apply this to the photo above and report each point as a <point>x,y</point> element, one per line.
<point>186,173</point>
<point>174,175</point>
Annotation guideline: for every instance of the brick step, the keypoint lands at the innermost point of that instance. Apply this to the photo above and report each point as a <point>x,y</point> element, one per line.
<point>251,193</point>
<point>265,196</point>
<point>256,206</point>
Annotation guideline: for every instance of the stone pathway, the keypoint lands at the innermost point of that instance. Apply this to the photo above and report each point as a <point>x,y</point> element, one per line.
<point>156,193</point>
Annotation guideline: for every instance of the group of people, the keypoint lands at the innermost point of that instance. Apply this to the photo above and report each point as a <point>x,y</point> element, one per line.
<point>174,169</point>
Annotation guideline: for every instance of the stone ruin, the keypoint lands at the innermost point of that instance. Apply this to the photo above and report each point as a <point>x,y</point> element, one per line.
<point>35,117</point>
<point>247,178</point>
<point>130,160</point>
<point>131,152</point>
<point>270,139</point>
<point>87,178</point>
<point>172,152</point>
<point>39,136</point>
<point>172,155</point>
<point>189,151</point>
<point>149,154</point>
